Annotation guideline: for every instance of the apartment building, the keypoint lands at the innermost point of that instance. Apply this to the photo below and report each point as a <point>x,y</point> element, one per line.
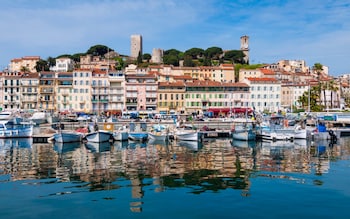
<point>64,91</point>
<point>82,90</point>
<point>116,92</point>
<point>100,91</point>
<point>171,97</point>
<point>265,94</point>
<point>141,92</point>
<point>11,91</point>
<point>47,91</point>
<point>24,64</point>
<point>217,97</point>
<point>29,91</point>
<point>63,64</point>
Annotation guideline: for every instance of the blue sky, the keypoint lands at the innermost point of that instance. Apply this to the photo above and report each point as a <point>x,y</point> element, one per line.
<point>310,30</point>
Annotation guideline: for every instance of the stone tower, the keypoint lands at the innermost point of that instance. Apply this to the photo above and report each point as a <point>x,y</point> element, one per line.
<point>245,47</point>
<point>135,46</point>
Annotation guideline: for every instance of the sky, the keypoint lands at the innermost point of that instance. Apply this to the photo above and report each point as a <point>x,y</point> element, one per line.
<point>317,31</point>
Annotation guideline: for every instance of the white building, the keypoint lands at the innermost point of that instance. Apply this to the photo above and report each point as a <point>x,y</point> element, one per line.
<point>63,65</point>
<point>265,94</point>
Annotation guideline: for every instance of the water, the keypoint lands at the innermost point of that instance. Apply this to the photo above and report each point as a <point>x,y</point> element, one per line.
<point>216,179</point>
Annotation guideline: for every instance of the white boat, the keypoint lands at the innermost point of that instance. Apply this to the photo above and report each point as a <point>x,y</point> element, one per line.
<point>39,118</point>
<point>120,135</point>
<point>138,136</point>
<point>99,136</point>
<point>15,128</point>
<point>158,136</point>
<point>187,135</point>
<point>68,136</point>
<point>6,115</point>
<point>244,132</point>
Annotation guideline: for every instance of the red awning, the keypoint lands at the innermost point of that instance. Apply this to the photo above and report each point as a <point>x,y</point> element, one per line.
<point>227,110</point>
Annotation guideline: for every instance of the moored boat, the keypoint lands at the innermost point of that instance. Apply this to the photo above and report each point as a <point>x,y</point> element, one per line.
<point>138,136</point>
<point>16,128</point>
<point>67,136</point>
<point>187,135</point>
<point>99,136</point>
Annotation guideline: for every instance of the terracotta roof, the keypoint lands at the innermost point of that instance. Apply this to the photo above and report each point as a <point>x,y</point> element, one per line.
<point>267,71</point>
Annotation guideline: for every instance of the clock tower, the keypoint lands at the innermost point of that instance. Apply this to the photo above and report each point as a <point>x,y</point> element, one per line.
<point>245,47</point>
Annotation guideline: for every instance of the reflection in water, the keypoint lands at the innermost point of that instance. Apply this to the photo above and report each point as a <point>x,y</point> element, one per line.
<point>199,167</point>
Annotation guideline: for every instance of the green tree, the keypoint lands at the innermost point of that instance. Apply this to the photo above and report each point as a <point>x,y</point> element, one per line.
<point>236,56</point>
<point>213,52</point>
<point>146,57</point>
<point>42,65</point>
<point>195,53</point>
<point>120,64</point>
<point>139,58</point>
<point>99,50</point>
<point>188,61</point>
<point>172,57</point>
<point>51,61</point>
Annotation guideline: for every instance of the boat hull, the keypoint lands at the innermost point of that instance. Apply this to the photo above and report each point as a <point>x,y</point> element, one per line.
<point>120,136</point>
<point>67,137</point>
<point>23,132</point>
<point>187,136</point>
<point>138,136</point>
<point>98,136</point>
<point>158,136</point>
<point>244,135</point>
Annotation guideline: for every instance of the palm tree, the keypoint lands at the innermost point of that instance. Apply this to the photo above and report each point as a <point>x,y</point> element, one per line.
<point>333,88</point>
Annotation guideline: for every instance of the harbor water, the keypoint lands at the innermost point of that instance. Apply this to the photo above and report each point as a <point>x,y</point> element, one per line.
<point>218,178</point>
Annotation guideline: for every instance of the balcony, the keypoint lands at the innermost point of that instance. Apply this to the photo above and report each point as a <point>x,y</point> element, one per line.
<point>99,100</point>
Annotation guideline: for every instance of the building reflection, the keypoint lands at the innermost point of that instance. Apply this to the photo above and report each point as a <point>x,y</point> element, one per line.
<point>199,167</point>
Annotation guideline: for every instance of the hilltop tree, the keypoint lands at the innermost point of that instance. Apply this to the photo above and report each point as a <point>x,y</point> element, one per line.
<point>195,53</point>
<point>236,56</point>
<point>188,61</point>
<point>99,50</point>
<point>213,52</point>
<point>172,57</point>
<point>146,57</point>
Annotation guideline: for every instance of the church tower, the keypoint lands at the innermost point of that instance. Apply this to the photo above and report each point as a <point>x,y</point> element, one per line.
<point>245,47</point>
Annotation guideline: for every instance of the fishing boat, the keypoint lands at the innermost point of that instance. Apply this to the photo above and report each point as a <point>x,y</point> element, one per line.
<point>187,135</point>
<point>120,135</point>
<point>244,130</point>
<point>39,118</point>
<point>138,136</point>
<point>158,136</point>
<point>16,128</point>
<point>99,136</point>
<point>67,136</point>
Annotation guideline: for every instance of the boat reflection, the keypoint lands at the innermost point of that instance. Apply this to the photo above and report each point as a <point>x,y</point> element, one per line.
<point>191,145</point>
<point>97,147</point>
<point>243,144</point>
<point>200,167</point>
<point>66,147</point>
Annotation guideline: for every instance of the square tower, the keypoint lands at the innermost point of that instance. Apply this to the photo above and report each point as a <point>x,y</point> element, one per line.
<point>135,46</point>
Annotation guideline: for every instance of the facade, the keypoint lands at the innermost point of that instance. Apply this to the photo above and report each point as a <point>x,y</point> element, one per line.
<point>290,95</point>
<point>29,91</point>
<point>265,94</point>
<point>63,65</point>
<point>64,91</point>
<point>135,46</point>
<point>99,91</point>
<point>171,97</point>
<point>26,63</point>
<point>82,90</point>
<point>116,92</point>
<point>141,92</point>
<point>217,97</point>
<point>11,91</point>
<point>47,91</point>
